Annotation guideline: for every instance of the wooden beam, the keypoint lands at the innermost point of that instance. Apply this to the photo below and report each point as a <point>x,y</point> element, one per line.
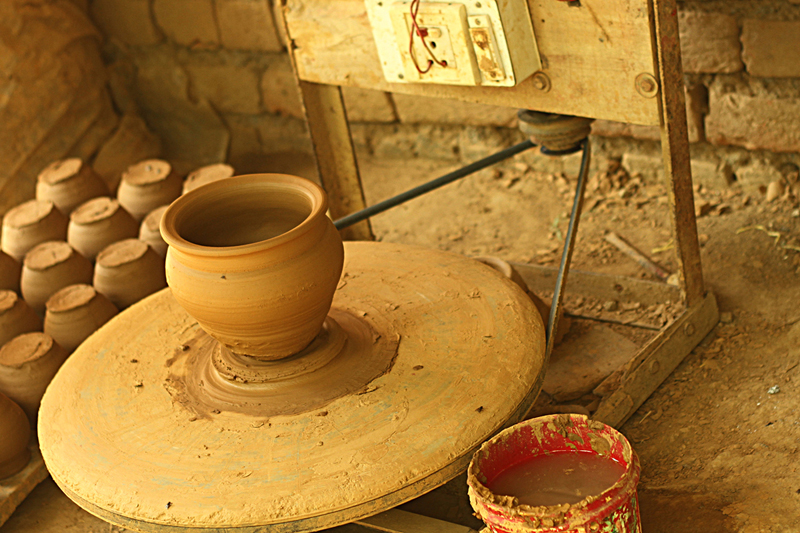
<point>675,146</point>
<point>657,360</point>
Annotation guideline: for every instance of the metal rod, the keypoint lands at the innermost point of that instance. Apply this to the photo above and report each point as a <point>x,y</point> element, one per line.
<point>380,207</point>
<point>569,244</point>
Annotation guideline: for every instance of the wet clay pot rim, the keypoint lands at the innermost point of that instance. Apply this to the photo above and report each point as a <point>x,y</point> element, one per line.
<point>231,188</point>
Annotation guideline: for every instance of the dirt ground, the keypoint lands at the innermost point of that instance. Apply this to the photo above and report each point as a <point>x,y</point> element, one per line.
<point>718,441</point>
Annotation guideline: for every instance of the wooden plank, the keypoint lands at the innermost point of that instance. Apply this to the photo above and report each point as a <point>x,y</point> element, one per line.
<point>675,147</point>
<point>542,279</point>
<point>15,489</point>
<point>657,360</point>
<point>397,521</point>
<point>591,54</point>
<point>336,158</point>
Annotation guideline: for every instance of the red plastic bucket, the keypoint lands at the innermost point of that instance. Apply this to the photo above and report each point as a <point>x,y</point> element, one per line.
<point>616,509</point>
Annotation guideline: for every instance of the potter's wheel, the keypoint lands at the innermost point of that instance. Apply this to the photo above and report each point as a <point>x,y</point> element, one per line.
<point>440,352</point>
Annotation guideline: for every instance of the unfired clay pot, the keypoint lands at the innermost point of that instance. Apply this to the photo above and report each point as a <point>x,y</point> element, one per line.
<point>74,313</point>
<point>127,271</point>
<point>49,267</point>
<point>98,223</point>
<point>10,270</point>
<point>256,260</point>
<point>31,223</point>
<point>27,364</point>
<point>16,317</point>
<point>207,174</point>
<point>148,185</point>
<point>15,432</point>
<point>149,231</point>
<point>69,183</point>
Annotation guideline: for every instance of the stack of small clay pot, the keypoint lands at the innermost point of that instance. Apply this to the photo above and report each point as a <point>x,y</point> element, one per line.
<point>70,259</point>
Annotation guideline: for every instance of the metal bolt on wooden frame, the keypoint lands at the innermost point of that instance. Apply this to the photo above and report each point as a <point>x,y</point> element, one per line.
<point>331,45</point>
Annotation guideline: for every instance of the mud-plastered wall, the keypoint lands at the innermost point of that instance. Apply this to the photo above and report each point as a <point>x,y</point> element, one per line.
<point>212,79</point>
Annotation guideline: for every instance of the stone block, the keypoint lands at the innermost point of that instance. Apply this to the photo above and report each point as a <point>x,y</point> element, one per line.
<point>188,22</point>
<point>129,21</point>
<point>696,107</point>
<point>247,25</point>
<point>277,15</point>
<point>770,48</point>
<point>714,174</point>
<point>131,142</point>
<point>366,105</point>
<point>756,174</point>
<point>192,132</point>
<point>753,120</point>
<point>476,143</point>
<point>229,87</point>
<point>278,88</point>
<point>414,109</point>
<point>709,42</point>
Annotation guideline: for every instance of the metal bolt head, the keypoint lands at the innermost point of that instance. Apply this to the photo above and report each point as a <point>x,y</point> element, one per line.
<point>540,81</point>
<point>646,85</point>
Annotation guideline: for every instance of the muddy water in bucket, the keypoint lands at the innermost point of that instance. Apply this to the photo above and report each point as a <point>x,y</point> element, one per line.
<point>558,473</point>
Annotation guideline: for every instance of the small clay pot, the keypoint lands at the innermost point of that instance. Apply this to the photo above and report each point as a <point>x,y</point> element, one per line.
<point>16,317</point>
<point>29,224</point>
<point>10,270</point>
<point>207,174</point>
<point>127,271</point>
<point>28,363</point>
<point>147,185</point>
<point>15,433</point>
<point>74,313</point>
<point>98,223</point>
<point>49,267</point>
<point>256,260</point>
<point>69,183</point>
<point>149,231</point>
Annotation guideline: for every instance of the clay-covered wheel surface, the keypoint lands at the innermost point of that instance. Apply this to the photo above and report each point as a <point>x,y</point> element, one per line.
<point>125,440</point>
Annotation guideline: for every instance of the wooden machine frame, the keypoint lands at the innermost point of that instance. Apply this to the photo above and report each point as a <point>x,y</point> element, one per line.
<point>647,48</point>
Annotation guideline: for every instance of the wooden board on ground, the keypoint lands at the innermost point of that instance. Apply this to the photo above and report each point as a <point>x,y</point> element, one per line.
<point>15,488</point>
<point>592,55</point>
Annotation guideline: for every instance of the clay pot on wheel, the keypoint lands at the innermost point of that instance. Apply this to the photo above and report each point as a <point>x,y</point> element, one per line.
<point>10,270</point>
<point>29,224</point>
<point>16,317</point>
<point>98,223</point>
<point>15,432</point>
<point>149,231</point>
<point>147,185</point>
<point>127,271</point>
<point>74,313</point>
<point>49,267</point>
<point>69,183</point>
<point>256,260</point>
<point>207,174</point>
<point>28,363</point>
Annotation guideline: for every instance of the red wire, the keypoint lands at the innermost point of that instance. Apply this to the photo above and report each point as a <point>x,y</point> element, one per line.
<point>414,9</point>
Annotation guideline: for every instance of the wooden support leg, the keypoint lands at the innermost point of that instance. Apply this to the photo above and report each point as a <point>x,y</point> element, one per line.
<point>675,146</point>
<point>657,359</point>
<point>336,159</point>
<point>333,145</point>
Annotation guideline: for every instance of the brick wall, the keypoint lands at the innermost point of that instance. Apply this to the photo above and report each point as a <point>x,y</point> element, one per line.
<point>219,68</point>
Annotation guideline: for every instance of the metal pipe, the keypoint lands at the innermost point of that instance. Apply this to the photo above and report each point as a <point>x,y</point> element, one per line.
<point>569,244</point>
<point>410,194</point>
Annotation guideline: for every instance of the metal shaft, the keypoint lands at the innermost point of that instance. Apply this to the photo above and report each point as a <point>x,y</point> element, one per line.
<point>410,194</point>
<point>569,244</point>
